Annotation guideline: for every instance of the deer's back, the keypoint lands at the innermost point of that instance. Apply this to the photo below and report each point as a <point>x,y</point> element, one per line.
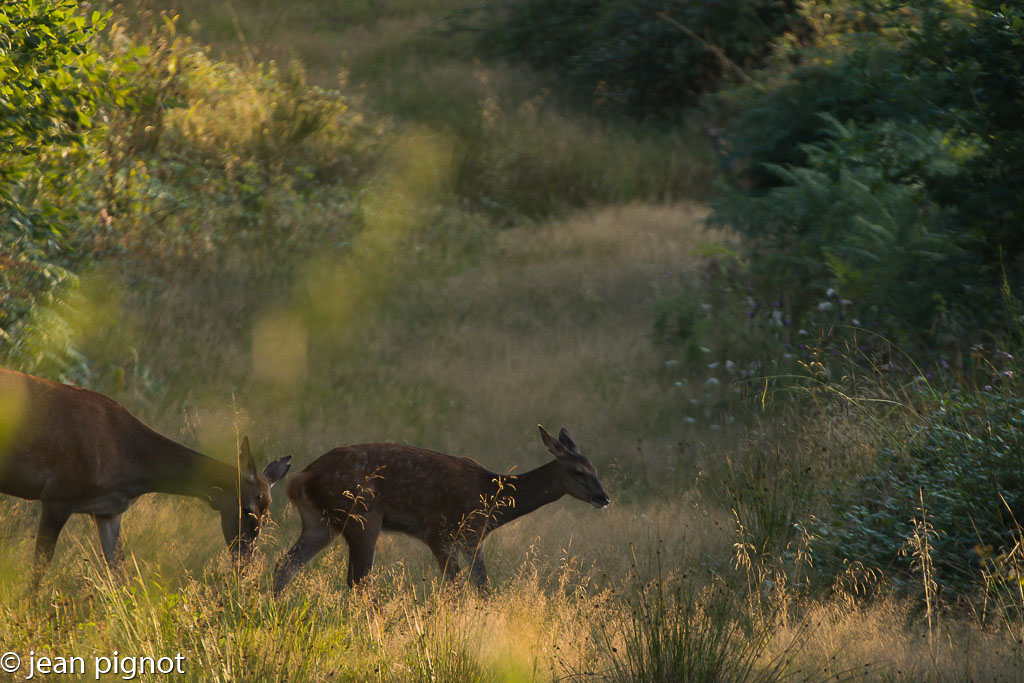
<point>414,487</point>
<point>54,436</point>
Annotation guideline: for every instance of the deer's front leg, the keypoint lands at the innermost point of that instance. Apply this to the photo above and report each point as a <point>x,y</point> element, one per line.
<point>447,555</point>
<point>312,540</point>
<point>52,519</point>
<point>109,529</point>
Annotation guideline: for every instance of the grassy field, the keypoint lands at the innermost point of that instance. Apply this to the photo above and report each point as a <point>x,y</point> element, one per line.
<point>486,259</point>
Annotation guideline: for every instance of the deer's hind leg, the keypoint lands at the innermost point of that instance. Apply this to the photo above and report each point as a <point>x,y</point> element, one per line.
<point>449,558</point>
<point>361,532</point>
<point>478,572</point>
<point>448,554</point>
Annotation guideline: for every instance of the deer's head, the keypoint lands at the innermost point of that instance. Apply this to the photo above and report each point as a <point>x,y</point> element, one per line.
<point>577,476</point>
<point>242,515</point>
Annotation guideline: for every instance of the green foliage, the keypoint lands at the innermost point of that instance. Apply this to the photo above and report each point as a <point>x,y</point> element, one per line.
<point>888,167</point>
<point>251,149</point>
<point>967,462</point>
<point>50,89</point>
<point>856,217</point>
<point>648,58</point>
<point>48,92</point>
<point>179,147</point>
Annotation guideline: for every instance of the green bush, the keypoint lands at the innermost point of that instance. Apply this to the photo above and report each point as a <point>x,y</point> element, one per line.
<point>888,168</point>
<point>856,217</point>
<point>52,85</point>
<point>650,58</point>
<point>48,88</point>
<point>248,149</point>
<point>967,464</point>
<point>161,153</point>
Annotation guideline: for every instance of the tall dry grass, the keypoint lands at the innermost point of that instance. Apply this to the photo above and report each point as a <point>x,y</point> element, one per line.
<point>449,291</point>
<point>549,322</point>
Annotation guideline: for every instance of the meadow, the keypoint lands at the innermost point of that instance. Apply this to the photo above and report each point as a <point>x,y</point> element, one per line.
<point>352,227</point>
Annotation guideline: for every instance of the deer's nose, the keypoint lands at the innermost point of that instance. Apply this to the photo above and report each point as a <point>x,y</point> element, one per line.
<point>601,500</point>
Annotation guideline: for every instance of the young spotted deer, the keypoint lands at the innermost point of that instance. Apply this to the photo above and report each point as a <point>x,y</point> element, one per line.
<point>77,451</point>
<point>449,503</point>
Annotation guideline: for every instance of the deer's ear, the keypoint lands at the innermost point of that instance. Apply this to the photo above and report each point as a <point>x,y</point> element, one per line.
<point>245,456</point>
<point>556,448</point>
<point>275,471</point>
<point>566,440</point>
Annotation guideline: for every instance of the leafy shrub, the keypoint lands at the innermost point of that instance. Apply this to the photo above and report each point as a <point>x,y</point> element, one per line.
<point>856,217</point>
<point>52,85</point>
<point>967,464</point>
<point>48,91</point>
<point>204,143</point>
<point>887,168</point>
<point>185,157</point>
<point>649,58</point>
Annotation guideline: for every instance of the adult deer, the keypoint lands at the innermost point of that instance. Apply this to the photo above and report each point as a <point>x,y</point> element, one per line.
<point>78,451</point>
<point>449,503</point>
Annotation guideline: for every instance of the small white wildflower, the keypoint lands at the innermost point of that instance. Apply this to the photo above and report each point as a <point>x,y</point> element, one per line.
<point>712,382</point>
<point>855,322</point>
<point>671,363</point>
<point>830,292</point>
<point>689,420</point>
<point>712,366</point>
<point>802,333</point>
<point>845,302</point>
<point>825,306</point>
<point>679,384</point>
<point>730,367</point>
<point>705,349</point>
<point>705,307</point>
<point>715,428</point>
<point>777,318</point>
<point>788,356</point>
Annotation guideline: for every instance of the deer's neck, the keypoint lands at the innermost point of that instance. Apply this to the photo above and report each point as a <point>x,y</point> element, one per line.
<point>173,468</point>
<point>527,492</point>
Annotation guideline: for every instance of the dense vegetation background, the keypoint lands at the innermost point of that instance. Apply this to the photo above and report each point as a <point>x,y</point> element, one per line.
<point>763,258</point>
